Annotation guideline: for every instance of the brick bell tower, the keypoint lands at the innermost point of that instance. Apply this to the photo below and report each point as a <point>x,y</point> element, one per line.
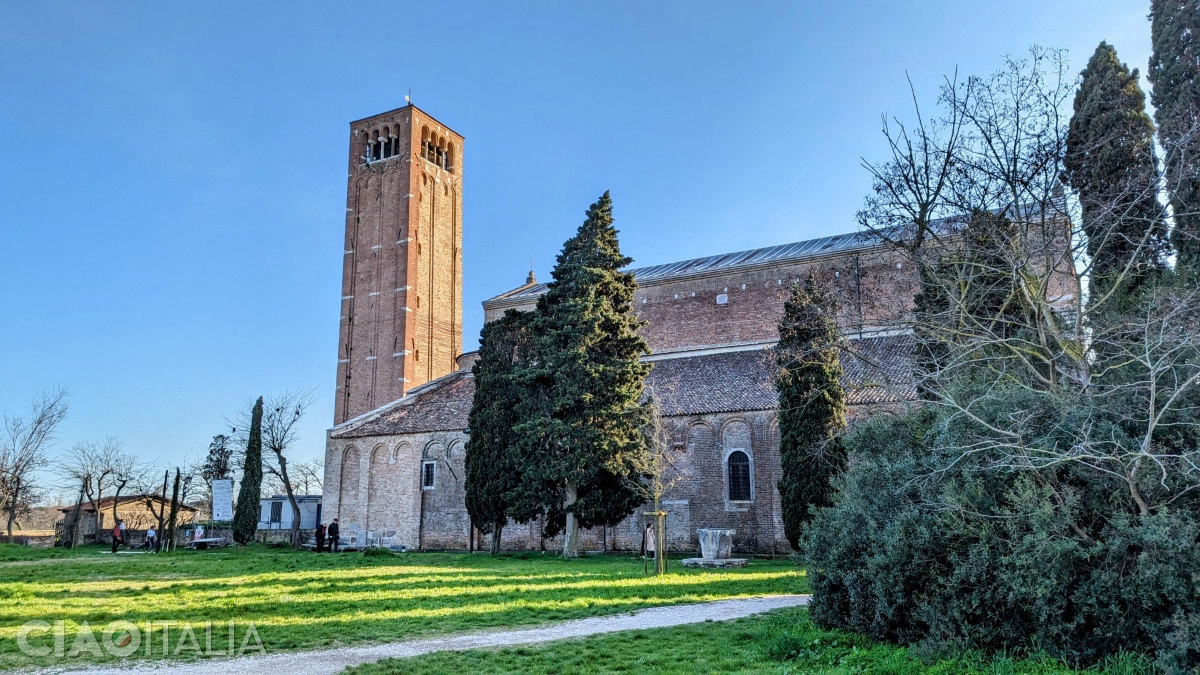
<point>401,319</point>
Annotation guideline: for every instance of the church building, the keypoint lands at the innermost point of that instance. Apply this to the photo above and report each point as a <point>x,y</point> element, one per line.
<point>394,460</point>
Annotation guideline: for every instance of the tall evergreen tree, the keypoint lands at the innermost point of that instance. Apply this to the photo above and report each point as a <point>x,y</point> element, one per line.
<point>169,532</point>
<point>967,296</point>
<point>931,306</point>
<point>245,517</point>
<point>217,462</point>
<point>812,404</point>
<point>1110,163</point>
<point>491,468</point>
<point>579,436</point>
<point>1175,73</point>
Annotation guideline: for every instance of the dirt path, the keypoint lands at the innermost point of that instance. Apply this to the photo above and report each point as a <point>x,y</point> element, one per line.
<point>329,661</point>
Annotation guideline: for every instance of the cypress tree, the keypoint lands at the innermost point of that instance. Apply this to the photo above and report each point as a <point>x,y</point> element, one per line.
<point>966,294</point>
<point>1110,163</point>
<point>579,434</point>
<point>1175,73</point>
<point>169,532</point>
<point>812,405</point>
<point>931,307</point>
<point>491,468</point>
<point>245,517</point>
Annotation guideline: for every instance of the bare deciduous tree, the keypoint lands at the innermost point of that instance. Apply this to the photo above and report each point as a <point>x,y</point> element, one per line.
<point>98,468</point>
<point>280,430</point>
<point>23,453</point>
<point>662,470</point>
<point>1012,329</point>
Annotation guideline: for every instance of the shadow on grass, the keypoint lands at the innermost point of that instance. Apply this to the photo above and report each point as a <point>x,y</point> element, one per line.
<point>306,600</point>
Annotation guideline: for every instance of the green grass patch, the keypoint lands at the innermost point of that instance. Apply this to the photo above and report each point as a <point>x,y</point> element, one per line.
<point>785,641</point>
<point>304,600</point>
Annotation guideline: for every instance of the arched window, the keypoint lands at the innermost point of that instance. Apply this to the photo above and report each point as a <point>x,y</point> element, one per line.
<point>738,471</point>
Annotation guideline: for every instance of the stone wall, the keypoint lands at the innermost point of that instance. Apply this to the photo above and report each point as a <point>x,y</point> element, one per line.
<point>379,497</point>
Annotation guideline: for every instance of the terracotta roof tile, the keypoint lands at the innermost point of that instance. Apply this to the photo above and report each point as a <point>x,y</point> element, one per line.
<point>877,370</point>
<point>440,406</point>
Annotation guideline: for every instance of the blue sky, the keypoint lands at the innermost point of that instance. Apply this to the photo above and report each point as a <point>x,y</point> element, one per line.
<point>172,183</point>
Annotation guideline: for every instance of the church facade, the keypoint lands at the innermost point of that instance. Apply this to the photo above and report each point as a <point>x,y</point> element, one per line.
<point>394,465</point>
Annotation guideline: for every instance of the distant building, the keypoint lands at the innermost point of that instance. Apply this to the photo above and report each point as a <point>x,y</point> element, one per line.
<point>276,512</point>
<point>139,512</point>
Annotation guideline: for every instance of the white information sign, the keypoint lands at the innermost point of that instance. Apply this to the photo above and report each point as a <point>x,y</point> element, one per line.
<point>222,499</point>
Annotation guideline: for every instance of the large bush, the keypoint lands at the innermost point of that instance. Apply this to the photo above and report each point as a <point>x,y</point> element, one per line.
<point>923,547</point>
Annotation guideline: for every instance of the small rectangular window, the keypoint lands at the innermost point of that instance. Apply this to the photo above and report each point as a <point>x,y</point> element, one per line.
<point>276,512</point>
<point>428,474</point>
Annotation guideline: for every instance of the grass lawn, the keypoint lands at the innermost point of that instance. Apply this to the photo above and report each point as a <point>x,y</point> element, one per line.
<point>784,641</point>
<point>306,600</point>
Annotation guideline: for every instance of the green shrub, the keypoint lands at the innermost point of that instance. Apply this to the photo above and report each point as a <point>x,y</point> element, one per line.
<point>956,555</point>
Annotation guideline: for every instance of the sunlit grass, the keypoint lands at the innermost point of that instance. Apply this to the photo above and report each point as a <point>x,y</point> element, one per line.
<point>307,600</point>
<point>785,641</point>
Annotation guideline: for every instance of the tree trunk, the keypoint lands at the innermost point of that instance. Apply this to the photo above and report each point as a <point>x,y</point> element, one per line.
<point>660,537</point>
<point>95,502</point>
<point>291,495</point>
<point>571,534</point>
<point>13,497</point>
<point>162,513</point>
<point>76,514</point>
<point>496,528</point>
<point>172,519</point>
<point>117,498</point>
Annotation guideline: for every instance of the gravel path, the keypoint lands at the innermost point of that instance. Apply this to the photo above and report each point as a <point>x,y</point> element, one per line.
<point>319,662</point>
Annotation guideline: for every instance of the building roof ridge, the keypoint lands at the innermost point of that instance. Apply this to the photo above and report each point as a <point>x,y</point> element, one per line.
<point>798,250</point>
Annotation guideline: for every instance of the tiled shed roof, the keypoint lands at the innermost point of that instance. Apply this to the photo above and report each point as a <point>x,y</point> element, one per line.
<point>442,405</point>
<point>725,261</point>
<point>877,370</point>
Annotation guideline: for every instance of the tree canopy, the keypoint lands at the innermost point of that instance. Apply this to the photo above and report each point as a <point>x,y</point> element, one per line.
<point>812,405</point>
<point>579,435</point>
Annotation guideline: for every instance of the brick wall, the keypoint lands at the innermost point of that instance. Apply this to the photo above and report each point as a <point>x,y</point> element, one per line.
<point>401,313</point>
<point>874,288</point>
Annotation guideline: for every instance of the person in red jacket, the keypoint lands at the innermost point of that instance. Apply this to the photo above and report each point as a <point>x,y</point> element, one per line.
<point>116,536</point>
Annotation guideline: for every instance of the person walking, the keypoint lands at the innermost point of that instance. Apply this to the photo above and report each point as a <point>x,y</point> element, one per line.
<point>333,532</point>
<point>121,524</point>
<point>116,537</point>
<point>320,537</point>
<point>151,536</point>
